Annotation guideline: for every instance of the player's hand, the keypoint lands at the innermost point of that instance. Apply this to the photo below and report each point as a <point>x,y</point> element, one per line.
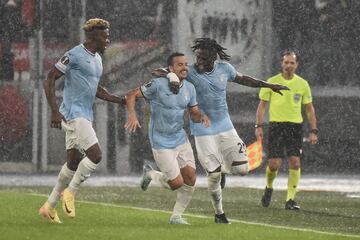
<point>277,88</point>
<point>313,138</point>
<point>174,87</point>
<point>259,133</point>
<point>132,123</point>
<point>56,118</point>
<point>205,121</point>
<point>159,72</point>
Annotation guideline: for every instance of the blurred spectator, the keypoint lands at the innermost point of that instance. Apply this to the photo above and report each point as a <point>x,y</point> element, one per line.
<point>206,22</point>
<point>10,31</point>
<point>234,28</point>
<point>244,25</point>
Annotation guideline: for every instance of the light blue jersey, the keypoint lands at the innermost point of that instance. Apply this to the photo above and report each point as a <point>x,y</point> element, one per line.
<point>211,95</point>
<point>166,127</point>
<point>82,70</point>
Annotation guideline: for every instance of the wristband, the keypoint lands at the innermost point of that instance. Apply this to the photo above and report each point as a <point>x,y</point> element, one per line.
<point>314,131</point>
<point>258,126</point>
<point>173,77</point>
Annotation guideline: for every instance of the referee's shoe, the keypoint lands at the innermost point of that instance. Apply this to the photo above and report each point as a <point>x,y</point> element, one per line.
<point>266,198</point>
<point>291,205</point>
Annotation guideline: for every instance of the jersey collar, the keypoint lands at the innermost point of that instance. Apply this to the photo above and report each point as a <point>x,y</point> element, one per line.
<point>92,54</point>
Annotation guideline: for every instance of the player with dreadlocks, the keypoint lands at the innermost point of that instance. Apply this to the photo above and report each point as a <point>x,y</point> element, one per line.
<point>82,68</point>
<point>219,147</point>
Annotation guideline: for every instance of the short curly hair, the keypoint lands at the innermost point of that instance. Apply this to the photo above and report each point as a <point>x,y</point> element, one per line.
<point>96,23</point>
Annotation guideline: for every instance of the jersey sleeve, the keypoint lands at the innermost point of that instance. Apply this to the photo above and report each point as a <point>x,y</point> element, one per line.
<point>307,98</point>
<point>149,89</point>
<point>231,72</point>
<point>66,62</point>
<point>193,102</point>
<point>265,94</point>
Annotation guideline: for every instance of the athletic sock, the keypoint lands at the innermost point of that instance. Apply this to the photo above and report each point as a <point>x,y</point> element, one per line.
<point>84,170</point>
<point>184,195</point>
<point>214,189</point>
<point>270,177</point>
<point>293,181</point>
<point>63,180</point>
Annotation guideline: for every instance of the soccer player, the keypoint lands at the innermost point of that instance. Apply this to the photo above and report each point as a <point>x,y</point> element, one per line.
<point>170,146</point>
<point>82,67</point>
<point>219,147</point>
<point>285,126</point>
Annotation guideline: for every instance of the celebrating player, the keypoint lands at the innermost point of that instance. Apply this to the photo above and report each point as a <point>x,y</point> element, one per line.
<point>219,147</point>
<point>170,146</point>
<point>82,67</point>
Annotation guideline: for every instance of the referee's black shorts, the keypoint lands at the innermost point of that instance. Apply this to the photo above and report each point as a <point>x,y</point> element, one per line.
<point>285,137</point>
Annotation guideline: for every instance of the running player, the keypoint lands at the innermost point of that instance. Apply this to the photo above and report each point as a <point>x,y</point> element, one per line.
<point>219,147</point>
<point>82,67</point>
<point>170,146</point>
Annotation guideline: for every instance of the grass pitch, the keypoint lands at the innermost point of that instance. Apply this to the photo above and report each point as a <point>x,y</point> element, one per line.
<point>129,213</point>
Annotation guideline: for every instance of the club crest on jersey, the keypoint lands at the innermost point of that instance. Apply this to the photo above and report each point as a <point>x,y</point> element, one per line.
<point>223,77</point>
<point>297,97</point>
<point>65,60</point>
<point>186,96</point>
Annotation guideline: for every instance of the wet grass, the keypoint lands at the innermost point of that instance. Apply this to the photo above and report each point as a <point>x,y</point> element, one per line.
<point>321,211</point>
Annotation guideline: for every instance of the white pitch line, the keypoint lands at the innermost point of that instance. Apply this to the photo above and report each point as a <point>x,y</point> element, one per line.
<point>208,217</point>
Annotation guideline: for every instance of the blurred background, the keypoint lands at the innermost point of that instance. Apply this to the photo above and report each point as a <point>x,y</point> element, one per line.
<point>34,34</point>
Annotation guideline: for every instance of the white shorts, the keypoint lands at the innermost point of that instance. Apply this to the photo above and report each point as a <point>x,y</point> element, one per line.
<point>170,161</point>
<point>212,150</point>
<point>79,134</point>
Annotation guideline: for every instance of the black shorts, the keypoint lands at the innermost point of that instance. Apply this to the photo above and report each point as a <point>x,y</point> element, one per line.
<point>285,137</point>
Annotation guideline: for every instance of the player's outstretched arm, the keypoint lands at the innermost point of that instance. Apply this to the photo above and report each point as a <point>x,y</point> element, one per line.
<point>256,83</point>
<point>197,116</point>
<point>132,122</point>
<point>49,87</point>
<point>160,72</point>
<point>103,94</point>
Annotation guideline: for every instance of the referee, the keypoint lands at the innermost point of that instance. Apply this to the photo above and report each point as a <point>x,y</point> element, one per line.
<point>285,126</point>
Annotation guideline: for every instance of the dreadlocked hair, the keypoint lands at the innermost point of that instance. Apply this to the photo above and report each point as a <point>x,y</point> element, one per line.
<point>211,45</point>
<point>95,23</point>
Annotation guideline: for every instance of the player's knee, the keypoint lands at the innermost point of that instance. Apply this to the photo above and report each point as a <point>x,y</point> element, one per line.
<point>176,183</point>
<point>238,160</point>
<point>72,164</point>
<point>240,168</point>
<point>274,164</point>
<point>191,180</point>
<point>189,175</point>
<point>294,163</point>
<point>95,158</point>
<point>294,166</point>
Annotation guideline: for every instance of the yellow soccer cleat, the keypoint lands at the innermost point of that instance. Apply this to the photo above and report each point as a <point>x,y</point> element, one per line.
<point>49,213</point>
<point>68,203</point>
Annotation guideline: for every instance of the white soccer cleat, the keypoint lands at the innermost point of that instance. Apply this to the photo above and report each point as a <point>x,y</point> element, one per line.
<point>146,179</point>
<point>178,220</point>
